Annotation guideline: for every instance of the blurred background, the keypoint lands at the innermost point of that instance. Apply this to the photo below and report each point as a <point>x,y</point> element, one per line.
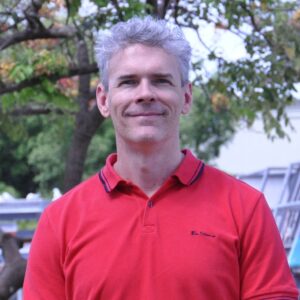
<point>245,119</point>
<point>245,72</point>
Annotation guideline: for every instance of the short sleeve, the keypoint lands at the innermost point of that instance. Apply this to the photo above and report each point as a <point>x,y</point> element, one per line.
<point>44,279</point>
<point>264,270</point>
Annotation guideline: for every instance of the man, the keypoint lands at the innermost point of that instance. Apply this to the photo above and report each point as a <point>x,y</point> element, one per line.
<point>155,223</point>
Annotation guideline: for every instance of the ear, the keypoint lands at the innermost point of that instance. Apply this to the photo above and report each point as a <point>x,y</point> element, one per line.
<point>102,100</point>
<point>188,99</point>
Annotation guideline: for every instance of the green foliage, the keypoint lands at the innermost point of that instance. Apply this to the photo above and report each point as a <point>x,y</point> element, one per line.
<point>206,134</point>
<point>10,128</point>
<point>47,151</point>
<point>74,6</point>
<point>33,152</point>
<point>8,189</point>
<point>33,149</point>
<point>103,143</point>
<point>261,83</point>
<point>15,170</point>
<point>127,8</point>
<point>101,3</point>
<point>48,94</point>
<point>134,8</point>
<point>34,61</point>
<point>27,224</point>
<point>31,62</point>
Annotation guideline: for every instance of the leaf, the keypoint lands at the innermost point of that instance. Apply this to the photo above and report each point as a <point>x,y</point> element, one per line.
<point>6,102</point>
<point>264,5</point>
<point>74,6</point>
<point>101,3</point>
<point>297,64</point>
<point>290,51</point>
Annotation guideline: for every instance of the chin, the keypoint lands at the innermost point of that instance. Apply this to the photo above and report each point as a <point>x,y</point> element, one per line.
<point>147,138</point>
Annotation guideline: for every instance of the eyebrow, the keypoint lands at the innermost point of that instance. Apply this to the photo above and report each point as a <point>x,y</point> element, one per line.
<point>163,75</point>
<point>125,77</point>
<point>155,75</point>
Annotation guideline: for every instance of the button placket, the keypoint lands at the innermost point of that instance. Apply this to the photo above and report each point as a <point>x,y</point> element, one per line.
<point>150,203</point>
<point>149,225</point>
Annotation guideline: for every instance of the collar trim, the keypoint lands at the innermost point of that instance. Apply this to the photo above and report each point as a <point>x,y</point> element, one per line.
<point>190,168</point>
<point>104,181</point>
<point>198,172</point>
<point>188,172</point>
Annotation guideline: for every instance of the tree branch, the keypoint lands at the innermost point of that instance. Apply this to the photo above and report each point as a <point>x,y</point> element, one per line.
<point>30,111</point>
<point>163,7</point>
<point>73,71</point>
<point>176,9</point>
<point>31,15</point>
<point>9,40</point>
<point>119,11</point>
<point>254,24</point>
<point>10,14</point>
<point>84,80</point>
<point>12,275</point>
<point>154,5</point>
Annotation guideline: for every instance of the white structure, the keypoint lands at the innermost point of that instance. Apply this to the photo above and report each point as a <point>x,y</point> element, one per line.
<point>274,168</point>
<point>251,151</point>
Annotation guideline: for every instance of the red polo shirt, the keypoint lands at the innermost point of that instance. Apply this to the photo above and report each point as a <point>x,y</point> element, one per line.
<point>202,235</point>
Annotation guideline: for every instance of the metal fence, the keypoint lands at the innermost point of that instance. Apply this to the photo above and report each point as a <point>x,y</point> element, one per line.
<point>286,209</point>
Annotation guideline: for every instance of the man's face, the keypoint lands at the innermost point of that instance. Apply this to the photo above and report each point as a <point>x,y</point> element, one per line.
<point>145,97</point>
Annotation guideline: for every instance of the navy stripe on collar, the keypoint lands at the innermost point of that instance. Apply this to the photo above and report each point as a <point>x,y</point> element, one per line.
<point>104,181</point>
<point>198,173</point>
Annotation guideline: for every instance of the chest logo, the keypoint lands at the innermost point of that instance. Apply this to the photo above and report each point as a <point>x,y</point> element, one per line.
<point>194,232</point>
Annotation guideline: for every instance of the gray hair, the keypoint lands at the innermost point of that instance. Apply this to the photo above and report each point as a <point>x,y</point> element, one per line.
<point>147,31</point>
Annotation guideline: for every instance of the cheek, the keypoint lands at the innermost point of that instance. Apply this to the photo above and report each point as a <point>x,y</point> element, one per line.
<point>113,105</point>
<point>177,102</point>
<point>116,110</point>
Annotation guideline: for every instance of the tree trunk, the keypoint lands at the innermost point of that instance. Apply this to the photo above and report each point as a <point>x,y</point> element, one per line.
<point>88,121</point>
<point>13,272</point>
<point>85,128</point>
<point>158,8</point>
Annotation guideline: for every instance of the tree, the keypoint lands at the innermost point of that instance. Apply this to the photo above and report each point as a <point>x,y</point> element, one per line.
<point>55,72</point>
<point>47,66</point>
<point>15,170</point>
<point>12,274</point>
<point>214,128</point>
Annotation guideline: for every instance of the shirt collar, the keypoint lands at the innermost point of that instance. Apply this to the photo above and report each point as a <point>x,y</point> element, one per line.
<point>189,170</point>
<point>108,176</point>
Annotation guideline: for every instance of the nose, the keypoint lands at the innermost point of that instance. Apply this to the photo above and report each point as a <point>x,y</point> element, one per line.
<point>145,92</point>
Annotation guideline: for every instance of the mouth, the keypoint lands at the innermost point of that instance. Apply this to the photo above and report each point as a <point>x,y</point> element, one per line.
<point>145,114</point>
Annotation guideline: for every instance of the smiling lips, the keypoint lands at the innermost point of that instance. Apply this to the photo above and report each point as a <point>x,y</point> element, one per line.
<point>145,114</point>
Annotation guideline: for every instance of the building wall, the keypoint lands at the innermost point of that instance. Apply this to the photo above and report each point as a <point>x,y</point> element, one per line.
<point>250,150</point>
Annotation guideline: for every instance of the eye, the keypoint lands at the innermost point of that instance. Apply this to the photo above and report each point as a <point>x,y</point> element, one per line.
<point>128,82</point>
<point>162,81</point>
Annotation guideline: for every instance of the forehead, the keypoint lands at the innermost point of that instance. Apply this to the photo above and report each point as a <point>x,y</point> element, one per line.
<point>139,59</point>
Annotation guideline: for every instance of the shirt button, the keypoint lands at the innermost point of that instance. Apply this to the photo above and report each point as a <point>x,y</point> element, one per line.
<point>150,203</point>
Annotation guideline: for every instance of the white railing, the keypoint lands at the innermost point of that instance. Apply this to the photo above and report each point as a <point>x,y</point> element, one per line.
<point>22,209</point>
<point>285,204</point>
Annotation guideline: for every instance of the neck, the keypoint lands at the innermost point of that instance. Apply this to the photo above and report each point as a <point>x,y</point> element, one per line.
<point>147,167</point>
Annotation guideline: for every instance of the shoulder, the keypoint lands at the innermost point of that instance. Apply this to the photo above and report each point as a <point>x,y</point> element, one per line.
<point>227,183</point>
<point>65,216</point>
<point>232,197</point>
<point>79,198</point>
